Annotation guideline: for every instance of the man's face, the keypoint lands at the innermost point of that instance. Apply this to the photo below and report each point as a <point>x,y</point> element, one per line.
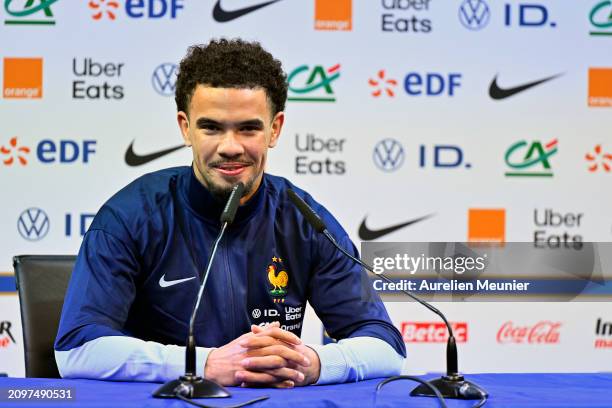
<point>230,131</point>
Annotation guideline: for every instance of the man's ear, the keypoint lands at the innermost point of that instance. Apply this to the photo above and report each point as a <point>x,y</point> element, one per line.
<point>183,123</point>
<point>277,126</point>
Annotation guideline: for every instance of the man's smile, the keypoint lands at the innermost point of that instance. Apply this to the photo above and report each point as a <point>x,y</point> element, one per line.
<point>231,168</point>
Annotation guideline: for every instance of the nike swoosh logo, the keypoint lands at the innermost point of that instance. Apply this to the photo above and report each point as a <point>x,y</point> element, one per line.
<point>132,159</point>
<point>223,16</point>
<point>366,234</point>
<point>498,93</point>
<point>165,284</point>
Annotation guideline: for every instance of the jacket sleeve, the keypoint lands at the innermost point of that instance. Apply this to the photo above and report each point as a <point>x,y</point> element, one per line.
<point>91,340</point>
<point>342,297</point>
<point>356,359</point>
<point>349,308</point>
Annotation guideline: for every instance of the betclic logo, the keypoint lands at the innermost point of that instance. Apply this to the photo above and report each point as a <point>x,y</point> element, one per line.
<point>47,151</point>
<point>433,332</point>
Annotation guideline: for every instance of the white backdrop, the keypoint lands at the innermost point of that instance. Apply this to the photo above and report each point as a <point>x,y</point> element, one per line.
<point>413,42</point>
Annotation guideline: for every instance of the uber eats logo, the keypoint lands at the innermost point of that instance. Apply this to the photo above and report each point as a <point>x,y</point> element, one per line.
<point>406,16</point>
<point>319,156</point>
<point>555,229</point>
<point>97,80</point>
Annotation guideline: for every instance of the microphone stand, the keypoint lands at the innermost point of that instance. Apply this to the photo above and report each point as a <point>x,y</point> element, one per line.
<point>452,385</point>
<point>190,385</point>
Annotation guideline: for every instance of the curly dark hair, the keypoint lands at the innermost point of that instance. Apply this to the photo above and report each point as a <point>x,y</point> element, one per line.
<point>231,64</point>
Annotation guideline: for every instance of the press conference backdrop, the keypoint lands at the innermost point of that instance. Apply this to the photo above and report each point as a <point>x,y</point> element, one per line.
<point>493,118</point>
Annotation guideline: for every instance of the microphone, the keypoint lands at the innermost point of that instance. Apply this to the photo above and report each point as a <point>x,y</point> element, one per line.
<point>191,385</point>
<point>229,212</point>
<point>452,385</point>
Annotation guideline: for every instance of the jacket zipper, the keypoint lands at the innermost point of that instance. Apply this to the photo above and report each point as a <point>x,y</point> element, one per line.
<point>228,279</point>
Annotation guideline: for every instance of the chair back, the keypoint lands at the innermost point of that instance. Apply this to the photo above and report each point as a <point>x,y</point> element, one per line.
<point>41,283</point>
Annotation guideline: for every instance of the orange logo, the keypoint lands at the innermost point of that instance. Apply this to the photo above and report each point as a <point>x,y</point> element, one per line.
<point>600,87</point>
<point>23,78</point>
<point>333,15</point>
<point>487,225</point>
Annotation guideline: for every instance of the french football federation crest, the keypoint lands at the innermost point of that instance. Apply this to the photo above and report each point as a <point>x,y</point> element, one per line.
<point>278,278</point>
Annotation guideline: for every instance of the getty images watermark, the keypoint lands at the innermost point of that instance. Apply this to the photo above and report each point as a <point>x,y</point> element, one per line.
<point>514,271</point>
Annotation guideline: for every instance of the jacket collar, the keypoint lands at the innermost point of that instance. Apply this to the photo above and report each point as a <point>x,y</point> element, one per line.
<point>203,203</point>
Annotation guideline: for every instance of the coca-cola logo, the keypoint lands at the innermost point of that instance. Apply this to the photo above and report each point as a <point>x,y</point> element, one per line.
<point>433,332</point>
<point>543,332</point>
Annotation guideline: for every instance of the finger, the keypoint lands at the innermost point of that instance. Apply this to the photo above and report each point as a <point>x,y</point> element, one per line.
<point>263,363</point>
<point>260,341</point>
<point>258,329</point>
<point>282,384</point>
<point>269,377</point>
<point>280,334</point>
<point>278,350</point>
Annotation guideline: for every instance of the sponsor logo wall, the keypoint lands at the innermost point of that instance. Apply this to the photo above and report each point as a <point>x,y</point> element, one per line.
<point>410,120</point>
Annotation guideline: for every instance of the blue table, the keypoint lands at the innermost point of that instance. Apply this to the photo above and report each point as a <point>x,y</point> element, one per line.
<point>506,390</point>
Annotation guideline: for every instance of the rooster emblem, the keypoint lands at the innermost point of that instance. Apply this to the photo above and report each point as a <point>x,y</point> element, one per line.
<point>278,280</point>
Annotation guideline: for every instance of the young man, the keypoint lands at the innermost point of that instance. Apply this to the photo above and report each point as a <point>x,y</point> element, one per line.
<point>139,268</point>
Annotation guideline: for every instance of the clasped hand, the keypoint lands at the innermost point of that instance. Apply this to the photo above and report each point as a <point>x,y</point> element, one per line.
<point>266,356</point>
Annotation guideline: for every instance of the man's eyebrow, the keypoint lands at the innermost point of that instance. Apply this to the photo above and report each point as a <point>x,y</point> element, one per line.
<point>203,122</point>
<point>252,122</point>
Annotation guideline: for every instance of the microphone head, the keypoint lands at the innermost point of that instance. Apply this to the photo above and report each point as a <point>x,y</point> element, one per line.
<point>229,212</point>
<point>308,213</point>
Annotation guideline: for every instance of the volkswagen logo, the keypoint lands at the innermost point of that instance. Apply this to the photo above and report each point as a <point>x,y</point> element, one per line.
<point>256,313</point>
<point>388,155</point>
<point>33,224</point>
<point>474,14</point>
<point>164,79</point>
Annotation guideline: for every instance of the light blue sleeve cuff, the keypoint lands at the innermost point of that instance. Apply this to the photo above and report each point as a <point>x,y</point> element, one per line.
<point>356,359</point>
<point>123,358</point>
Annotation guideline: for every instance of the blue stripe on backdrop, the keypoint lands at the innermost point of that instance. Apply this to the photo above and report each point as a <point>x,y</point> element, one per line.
<point>7,283</point>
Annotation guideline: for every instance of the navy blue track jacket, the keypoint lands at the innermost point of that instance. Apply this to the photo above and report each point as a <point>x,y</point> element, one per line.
<point>141,262</point>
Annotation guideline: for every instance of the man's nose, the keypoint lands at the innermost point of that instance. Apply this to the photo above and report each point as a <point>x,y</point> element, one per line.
<point>230,145</point>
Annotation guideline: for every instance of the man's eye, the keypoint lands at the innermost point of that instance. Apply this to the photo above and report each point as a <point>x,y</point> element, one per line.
<point>249,128</point>
<point>210,128</point>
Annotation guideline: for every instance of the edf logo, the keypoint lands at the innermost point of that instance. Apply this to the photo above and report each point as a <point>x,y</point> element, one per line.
<point>431,84</point>
<point>152,8</point>
<point>48,151</point>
